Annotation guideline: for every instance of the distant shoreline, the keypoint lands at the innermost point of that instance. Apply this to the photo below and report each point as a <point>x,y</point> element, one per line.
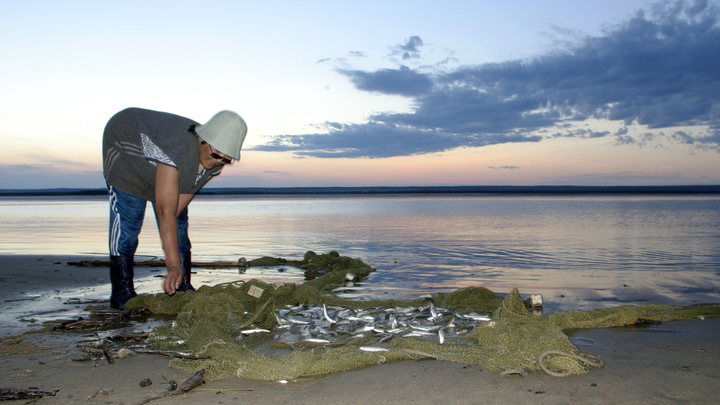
<point>488,190</point>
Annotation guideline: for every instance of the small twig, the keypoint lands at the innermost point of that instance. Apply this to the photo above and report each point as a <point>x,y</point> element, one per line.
<point>224,389</point>
<point>107,355</point>
<point>78,301</point>
<point>110,321</point>
<point>177,355</point>
<point>23,299</point>
<point>99,392</point>
<point>171,384</point>
<point>129,337</point>
<point>161,263</point>
<point>167,394</point>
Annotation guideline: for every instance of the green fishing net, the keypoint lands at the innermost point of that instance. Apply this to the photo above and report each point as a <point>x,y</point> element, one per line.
<point>210,326</point>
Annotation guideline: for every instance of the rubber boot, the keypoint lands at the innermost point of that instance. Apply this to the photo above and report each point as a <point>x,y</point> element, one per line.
<point>121,279</point>
<point>186,264</point>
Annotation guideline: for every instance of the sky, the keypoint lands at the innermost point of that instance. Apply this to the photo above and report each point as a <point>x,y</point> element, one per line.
<point>374,93</point>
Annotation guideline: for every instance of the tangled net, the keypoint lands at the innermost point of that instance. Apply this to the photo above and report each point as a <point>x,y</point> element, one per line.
<point>212,323</point>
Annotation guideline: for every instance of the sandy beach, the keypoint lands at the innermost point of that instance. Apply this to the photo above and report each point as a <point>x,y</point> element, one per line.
<point>675,362</point>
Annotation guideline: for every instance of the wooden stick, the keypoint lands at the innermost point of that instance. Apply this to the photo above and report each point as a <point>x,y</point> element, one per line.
<point>177,355</point>
<point>161,263</point>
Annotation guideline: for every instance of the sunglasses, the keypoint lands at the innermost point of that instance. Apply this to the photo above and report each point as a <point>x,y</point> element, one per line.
<point>215,156</point>
<point>224,160</point>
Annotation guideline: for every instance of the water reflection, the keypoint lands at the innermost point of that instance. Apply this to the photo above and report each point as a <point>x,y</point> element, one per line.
<point>580,252</point>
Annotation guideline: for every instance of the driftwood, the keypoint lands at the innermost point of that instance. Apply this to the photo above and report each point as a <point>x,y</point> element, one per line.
<point>129,337</point>
<point>66,325</point>
<point>80,301</point>
<point>161,263</point>
<point>98,319</point>
<point>17,393</point>
<point>23,299</point>
<point>172,354</point>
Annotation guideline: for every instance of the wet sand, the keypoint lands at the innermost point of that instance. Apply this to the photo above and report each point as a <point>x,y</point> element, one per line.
<point>676,362</point>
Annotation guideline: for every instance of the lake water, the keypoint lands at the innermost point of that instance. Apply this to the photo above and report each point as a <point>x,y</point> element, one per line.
<point>580,252</point>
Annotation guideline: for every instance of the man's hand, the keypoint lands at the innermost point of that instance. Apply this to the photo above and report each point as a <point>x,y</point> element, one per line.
<point>173,278</point>
<point>166,208</point>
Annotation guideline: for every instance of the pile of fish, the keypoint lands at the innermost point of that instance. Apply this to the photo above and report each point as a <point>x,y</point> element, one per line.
<point>328,326</point>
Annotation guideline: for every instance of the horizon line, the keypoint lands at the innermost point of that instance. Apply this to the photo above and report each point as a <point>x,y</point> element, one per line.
<point>468,189</point>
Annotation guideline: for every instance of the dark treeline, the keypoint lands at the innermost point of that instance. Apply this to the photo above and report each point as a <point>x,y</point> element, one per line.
<point>489,190</point>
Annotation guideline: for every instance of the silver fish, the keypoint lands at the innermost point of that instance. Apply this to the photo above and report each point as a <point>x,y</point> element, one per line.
<point>426,328</point>
<point>325,313</point>
<point>251,331</point>
<point>476,317</point>
<point>299,321</point>
<point>317,341</point>
<point>363,329</point>
<point>386,338</point>
<point>373,349</point>
<point>418,333</point>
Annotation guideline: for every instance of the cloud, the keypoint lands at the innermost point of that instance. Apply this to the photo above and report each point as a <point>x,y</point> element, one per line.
<point>402,81</point>
<point>640,140</point>
<point>630,178</point>
<point>380,140</point>
<point>593,134</point>
<point>412,44</point>
<point>580,133</point>
<point>706,143</point>
<point>276,172</point>
<point>504,167</point>
<point>683,137</point>
<point>658,69</point>
<point>410,50</point>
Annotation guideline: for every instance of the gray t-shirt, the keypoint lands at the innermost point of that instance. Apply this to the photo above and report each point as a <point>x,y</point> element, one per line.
<point>136,140</point>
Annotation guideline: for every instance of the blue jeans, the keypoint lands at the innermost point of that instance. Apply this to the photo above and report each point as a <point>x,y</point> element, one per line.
<point>126,218</point>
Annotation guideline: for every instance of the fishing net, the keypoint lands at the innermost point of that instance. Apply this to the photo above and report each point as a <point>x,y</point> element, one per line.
<point>245,328</point>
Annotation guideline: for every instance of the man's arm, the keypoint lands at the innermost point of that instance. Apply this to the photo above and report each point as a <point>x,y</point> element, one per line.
<point>185,199</point>
<point>167,206</point>
<point>184,202</point>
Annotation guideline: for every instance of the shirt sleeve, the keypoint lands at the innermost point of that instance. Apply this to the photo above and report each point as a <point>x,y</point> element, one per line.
<point>154,154</point>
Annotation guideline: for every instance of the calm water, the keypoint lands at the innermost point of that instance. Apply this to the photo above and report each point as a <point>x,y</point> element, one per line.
<point>579,252</point>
